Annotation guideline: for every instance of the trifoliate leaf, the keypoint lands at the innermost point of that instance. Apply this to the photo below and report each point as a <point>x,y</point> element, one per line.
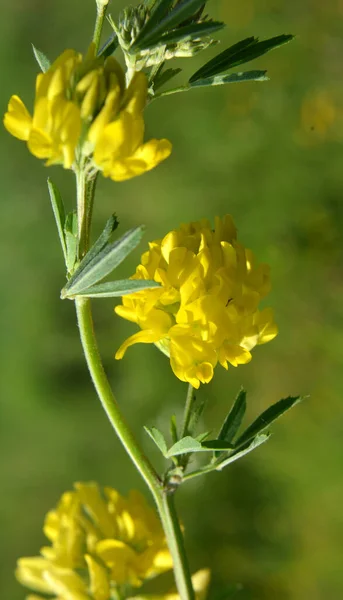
<point>238,54</point>
<point>114,289</point>
<point>43,61</point>
<point>257,441</point>
<point>231,78</point>
<point>59,214</point>
<point>104,262</point>
<point>157,437</point>
<point>267,418</point>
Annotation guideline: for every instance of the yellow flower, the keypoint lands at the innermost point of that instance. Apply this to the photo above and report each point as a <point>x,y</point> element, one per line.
<point>206,310</point>
<point>98,544</point>
<point>200,581</point>
<point>119,149</point>
<point>82,108</point>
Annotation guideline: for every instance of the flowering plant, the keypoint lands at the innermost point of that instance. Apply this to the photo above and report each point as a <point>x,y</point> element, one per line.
<point>196,294</point>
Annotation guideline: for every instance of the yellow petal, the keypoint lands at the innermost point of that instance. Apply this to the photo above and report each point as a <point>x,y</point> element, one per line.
<point>99,580</point>
<point>145,158</point>
<point>18,120</point>
<point>142,337</point>
<point>30,572</point>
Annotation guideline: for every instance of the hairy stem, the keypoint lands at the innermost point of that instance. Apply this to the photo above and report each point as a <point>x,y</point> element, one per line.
<point>100,17</point>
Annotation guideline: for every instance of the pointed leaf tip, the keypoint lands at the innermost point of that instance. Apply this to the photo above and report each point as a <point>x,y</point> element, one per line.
<point>42,60</point>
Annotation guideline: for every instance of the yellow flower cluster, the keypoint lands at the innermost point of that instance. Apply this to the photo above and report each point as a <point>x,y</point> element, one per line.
<point>206,310</point>
<point>99,544</point>
<point>83,109</point>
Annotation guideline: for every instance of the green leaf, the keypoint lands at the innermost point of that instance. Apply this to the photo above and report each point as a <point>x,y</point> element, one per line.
<point>257,441</point>
<point>184,446</point>
<point>202,436</point>
<point>197,410</point>
<point>109,46</point>
<point>157,26</point>
<point>157,437</point>
<point>234,419</point>
<point>104,262</point>
<point>159,11</point>
<point>267,418</point>
<point>186,33</point>
<point>113,289</point>
<point>100,244</point>
<point>189,444</point>
<point>43,61</point>
<point>231,78</point>
<point>240,53</point>
<point>71,238</point>
<point>173,429</point>
<point>164,77</point>
<point>59,214</point>
<point>217,445</point>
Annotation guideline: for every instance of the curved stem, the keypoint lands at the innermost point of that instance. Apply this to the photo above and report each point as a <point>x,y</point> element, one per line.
<point>165,503</point>
<point>107,399</point>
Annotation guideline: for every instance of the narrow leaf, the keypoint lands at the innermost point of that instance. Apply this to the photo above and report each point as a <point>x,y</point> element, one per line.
<point>71,238</point>
<point>109,46</point>
<point>217,445</point>
<point>160,10</point>
<point>113,289</point>
<point>232,78</point>
<point>173,429</point>
<point>164,77</point>
<point>238,54</point>
<point>98,246</point>
<point>105,261</point>
<point>257,441</point>
<point>157,437</point>
<point>43,61</point>
<point>197,410</point>
<point>186,33</point>
<point>202,436</point>
<point>177,15</point>
<point>59,214</point>
<point>233,419</point>
<point>266,418</point>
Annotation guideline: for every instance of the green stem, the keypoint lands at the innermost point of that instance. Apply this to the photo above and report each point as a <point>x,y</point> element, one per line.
<point>101,12</point>
<point>172,529</point>
<point>107,399</point>
<point>188,410</point>
<point>165,503</point>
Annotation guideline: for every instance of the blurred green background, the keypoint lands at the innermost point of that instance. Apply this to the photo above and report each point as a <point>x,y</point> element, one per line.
<point>271,526</point>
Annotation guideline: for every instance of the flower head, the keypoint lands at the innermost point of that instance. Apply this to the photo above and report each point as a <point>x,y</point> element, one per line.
<point>83,109</point>
<point>98,544</point>
<point>206,310</point>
